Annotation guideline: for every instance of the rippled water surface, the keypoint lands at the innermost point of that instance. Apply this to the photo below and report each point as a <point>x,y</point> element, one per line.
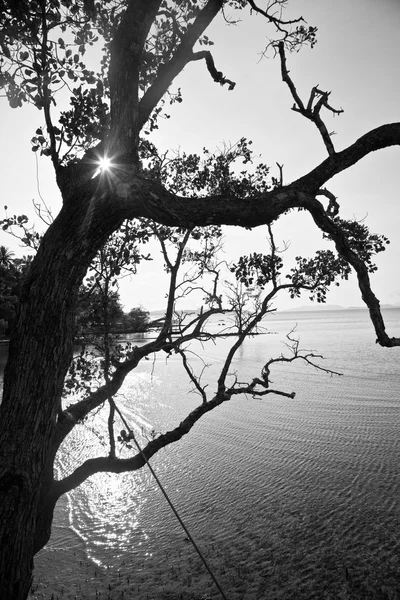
<point>289,498</point>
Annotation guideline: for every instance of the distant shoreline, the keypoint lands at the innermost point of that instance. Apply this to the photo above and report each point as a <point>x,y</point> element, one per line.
<point>334,307</point>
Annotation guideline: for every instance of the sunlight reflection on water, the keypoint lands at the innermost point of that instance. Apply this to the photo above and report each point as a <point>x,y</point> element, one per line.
<point>293,492</point>
<point>260,453</point>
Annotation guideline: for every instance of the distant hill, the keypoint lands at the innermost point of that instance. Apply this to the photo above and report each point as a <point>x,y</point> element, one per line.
<point>322,307</point>
<point>305,308</point>
<point>314,307</point>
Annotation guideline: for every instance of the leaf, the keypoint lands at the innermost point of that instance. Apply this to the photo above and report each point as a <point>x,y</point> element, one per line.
<point>15,102</point>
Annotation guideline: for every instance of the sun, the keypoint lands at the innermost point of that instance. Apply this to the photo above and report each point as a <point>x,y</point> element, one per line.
<point>105,163</point>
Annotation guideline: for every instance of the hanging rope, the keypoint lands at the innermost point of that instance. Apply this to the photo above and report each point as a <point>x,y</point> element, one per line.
<point>185,529</point>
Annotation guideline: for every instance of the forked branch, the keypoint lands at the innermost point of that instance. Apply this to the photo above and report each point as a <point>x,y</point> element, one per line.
<point>273,17</point>
<point>317,100</point>
<point>257,388</point>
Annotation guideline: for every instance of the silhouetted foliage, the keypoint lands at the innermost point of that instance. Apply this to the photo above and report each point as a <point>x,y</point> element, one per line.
<point>119,192</point>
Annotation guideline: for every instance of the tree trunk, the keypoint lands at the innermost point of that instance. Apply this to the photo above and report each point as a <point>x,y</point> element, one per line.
<point>39,355</point>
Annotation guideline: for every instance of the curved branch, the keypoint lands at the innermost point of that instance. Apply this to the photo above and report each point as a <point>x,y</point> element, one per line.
<point>156,202</point>
<point>343,247</point>
<point>333,206</point>
<point>121,465</point>
<point>376,139</point>
<point>216,75</point>
<point>134,196</point>
<point>181,58</point>
<point>277,21</point>
<point>130,195</point>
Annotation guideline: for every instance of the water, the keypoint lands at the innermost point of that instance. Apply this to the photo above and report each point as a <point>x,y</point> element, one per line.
<point>288,498</point>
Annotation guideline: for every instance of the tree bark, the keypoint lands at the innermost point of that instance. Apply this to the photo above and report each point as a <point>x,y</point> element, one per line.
<point>39,355</point>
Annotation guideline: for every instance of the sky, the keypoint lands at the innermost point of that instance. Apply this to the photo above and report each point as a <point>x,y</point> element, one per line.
<point>356,58</point>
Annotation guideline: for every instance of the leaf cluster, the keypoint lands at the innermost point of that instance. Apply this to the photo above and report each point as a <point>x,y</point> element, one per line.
<point>317,274</point>
<point>43,45</point>
<point>213,173</point>
<point>36,56</point>
<point>28,236</point>
<point>84,374</point>
<point>364,243</point>
<point>44,50</point>
<point>257,269</point>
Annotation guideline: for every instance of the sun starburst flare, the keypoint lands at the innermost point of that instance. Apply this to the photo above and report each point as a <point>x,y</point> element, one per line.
<point>104,165</point>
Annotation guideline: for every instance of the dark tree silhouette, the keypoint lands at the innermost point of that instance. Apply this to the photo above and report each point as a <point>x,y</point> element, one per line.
<point>146,45</point>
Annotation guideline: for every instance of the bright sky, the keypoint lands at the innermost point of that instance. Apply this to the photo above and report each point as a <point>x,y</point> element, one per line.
<point>356,57</point>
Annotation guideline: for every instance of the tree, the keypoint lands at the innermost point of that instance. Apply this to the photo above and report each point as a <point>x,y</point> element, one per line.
<point>108,171</point>
<point>5,256</point>
<point>137,319</point>
<point>12,272</point>
<point>9,293</point>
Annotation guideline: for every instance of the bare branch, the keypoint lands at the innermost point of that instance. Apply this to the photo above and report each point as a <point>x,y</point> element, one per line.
<point>258,387</point>
<point>311,111</point>
<point>218,76</point>
<point>195,380</point>
<point>296,351</point>
<point>272,18</point>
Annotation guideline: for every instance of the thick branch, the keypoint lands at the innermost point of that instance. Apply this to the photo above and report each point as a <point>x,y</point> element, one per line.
<point>126,52</point>
<point>181,58</point>
<point>131,195</point>
<point>376,139</point>
<point>121,465</point>
<point>343,247</point>
<point>78,411</point>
